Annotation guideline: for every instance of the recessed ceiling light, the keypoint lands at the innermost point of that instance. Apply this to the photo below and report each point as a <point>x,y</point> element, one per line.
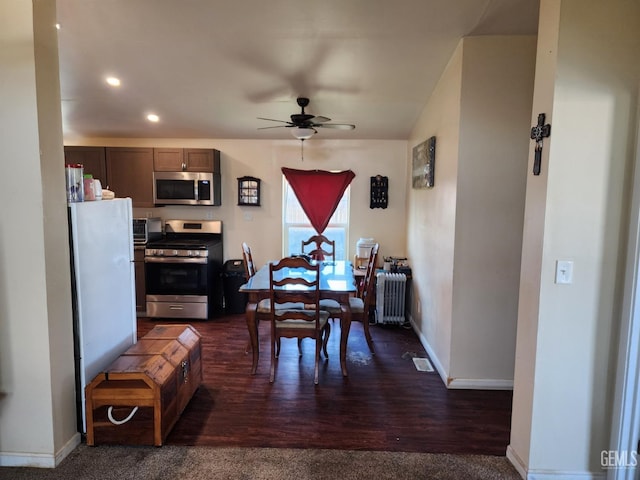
<point>113,81</point>
<point>152,117</point>
<point>58,26</point>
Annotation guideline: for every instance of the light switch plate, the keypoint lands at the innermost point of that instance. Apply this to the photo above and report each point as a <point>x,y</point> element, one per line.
<point>564,272</point>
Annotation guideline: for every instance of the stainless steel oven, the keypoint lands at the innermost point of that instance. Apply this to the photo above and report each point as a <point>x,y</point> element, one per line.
<point>183,272</point>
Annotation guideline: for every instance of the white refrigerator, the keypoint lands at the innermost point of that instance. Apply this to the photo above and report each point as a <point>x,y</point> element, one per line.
<point>103,288</point>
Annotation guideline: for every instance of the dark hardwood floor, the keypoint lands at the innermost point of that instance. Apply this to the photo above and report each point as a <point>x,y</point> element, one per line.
<point>384,403</point>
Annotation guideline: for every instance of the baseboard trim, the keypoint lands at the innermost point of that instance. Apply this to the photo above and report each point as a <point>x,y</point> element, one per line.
<point>516,461</point>
<point>39,460</point>
<point>559,475</point>
<point>459,383</point>
<point>521,468</point>
<point>480,384</point>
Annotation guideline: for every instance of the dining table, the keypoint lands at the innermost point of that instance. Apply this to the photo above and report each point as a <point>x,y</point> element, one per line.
<point>337,282</point>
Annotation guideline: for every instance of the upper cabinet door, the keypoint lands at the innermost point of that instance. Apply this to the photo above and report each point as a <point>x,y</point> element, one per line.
<point>202,160</point>
<point>91,158</point>
<point>130,174</point>
<point>168,160</point>
<point>186,160</point>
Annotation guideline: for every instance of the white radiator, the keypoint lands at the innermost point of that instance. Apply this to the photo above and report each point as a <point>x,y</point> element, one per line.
<point>390,294</point>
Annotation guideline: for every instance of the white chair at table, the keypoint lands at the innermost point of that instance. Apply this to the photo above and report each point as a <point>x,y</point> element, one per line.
<point>297,323</point>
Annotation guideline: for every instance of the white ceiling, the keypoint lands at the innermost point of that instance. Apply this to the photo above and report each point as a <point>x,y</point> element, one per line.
<point>209,68</point>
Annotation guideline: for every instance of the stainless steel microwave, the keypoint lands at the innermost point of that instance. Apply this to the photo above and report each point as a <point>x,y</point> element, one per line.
<point>186,188</point>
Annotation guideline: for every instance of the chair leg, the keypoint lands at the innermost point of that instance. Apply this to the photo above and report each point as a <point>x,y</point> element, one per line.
<point>367,334</point>
<point>299,347</point>
<point>278,347</point>
<point>317,368</point>
<point>272,373</point>
<point>326,333</point>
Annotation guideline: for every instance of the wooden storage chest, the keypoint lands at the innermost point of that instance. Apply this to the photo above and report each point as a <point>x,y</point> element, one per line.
<point>139,398</point>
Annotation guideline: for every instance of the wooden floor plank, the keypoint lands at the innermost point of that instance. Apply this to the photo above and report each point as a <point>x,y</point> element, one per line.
<point>384,403</point>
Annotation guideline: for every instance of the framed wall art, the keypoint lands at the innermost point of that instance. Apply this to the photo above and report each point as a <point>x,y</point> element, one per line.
<point>424,162</point>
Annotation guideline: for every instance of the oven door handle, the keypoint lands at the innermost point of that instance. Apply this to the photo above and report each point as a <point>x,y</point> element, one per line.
<point>199,260</point>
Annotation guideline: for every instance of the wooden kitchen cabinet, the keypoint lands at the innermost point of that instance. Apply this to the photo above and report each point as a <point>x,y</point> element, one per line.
<point>141,287</point>
<point>91,158</point>
<point>186,160</point>
<point>130,174</point>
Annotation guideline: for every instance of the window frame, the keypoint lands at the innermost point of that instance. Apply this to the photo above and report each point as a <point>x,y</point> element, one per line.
<point>343,209</point>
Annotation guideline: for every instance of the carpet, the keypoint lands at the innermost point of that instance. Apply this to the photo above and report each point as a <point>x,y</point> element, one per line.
<point>204,463</point>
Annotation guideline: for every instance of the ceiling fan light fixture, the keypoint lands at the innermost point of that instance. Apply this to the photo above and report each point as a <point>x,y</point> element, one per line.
<point>302,133</point>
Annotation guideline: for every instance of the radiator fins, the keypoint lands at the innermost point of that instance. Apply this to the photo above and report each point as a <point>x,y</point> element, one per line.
<point>390,295</point>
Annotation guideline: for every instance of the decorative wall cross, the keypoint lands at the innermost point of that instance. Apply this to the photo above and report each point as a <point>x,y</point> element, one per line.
<point>538,132</point>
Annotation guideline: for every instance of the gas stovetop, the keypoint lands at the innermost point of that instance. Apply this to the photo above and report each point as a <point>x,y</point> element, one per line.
<point>186,238</point>
<point>182,243</point>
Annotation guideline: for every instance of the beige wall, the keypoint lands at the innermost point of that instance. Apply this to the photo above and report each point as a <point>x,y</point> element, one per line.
<point>587,82</point>
<point>465,233</point>
<point>262,227</point>
<point>431,217</point>
<point>37,402</point>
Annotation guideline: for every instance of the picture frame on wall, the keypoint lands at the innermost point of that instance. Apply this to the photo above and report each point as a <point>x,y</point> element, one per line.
<point>424,162</point>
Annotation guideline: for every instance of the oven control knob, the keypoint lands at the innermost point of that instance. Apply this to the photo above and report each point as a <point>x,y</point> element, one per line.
<point>174,253</point>
<point>160,252</point>
<point>189,253</point>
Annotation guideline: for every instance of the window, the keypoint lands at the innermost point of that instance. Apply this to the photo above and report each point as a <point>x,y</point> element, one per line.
<point>296,226</point>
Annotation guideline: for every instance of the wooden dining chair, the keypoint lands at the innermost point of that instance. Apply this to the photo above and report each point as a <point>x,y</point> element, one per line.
<point>249,266</point>
<point>300,285</point>
<point>360,306</point>
<point>263,308</point>
<point>321,248</point>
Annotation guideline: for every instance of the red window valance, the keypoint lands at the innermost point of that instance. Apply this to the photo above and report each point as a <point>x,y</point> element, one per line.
<point>318,192</point>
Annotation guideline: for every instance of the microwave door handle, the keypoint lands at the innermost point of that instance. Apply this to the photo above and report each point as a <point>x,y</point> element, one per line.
<point>196,193</point>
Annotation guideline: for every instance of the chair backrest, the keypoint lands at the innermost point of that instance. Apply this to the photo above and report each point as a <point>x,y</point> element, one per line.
<point>367,291</point>
<point>318,250</point>
<point>294,279</point>
<point>249,266</point>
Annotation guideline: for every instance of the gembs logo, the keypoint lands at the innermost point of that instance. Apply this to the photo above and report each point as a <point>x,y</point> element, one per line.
<point>618,459</point>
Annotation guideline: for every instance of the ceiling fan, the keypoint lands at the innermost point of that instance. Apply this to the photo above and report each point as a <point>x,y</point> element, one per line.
<point>304,125</point>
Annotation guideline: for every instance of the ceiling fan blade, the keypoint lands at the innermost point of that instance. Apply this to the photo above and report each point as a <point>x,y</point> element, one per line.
<point>273,120</point>
<point>338,126</point>
<point>275,126</point>
<point>321,119</point>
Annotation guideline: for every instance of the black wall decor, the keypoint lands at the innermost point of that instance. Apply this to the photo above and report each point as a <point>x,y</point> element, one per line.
<point>538,133</point>
<point>249,191</point>
<point>379,192</point>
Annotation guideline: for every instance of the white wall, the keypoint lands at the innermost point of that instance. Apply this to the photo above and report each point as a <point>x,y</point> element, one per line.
<point>37,401</point>
<point>465,234</point>
<point>576,210</point>
<point>264,159</point>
